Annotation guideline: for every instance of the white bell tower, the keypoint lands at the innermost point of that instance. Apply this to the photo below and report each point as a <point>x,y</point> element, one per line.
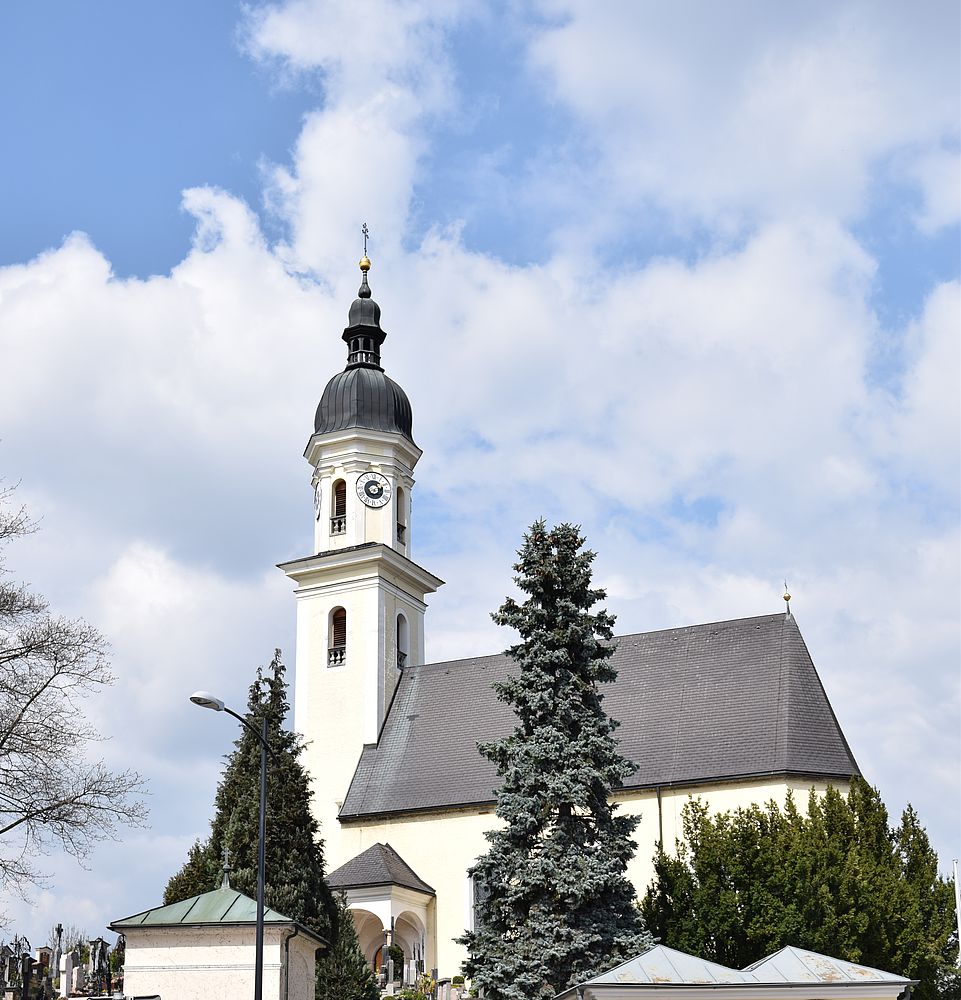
<point>360,597</point>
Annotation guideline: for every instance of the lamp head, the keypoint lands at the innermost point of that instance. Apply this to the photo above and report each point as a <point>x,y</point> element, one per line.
<point>206,700</point>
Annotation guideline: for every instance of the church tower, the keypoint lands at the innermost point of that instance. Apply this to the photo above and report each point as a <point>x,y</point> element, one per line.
<point>360,598</point>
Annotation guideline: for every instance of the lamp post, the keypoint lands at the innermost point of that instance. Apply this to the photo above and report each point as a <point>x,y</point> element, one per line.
<point>206,700</point>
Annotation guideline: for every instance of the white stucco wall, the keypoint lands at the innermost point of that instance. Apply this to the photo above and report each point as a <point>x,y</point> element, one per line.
<point>347,456</point>
<point>216,963</point>
<point>340,708</point>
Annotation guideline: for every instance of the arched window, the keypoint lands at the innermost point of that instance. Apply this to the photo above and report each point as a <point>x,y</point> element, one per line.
<point>403,641</point>
<point>338,508</point>
<point>337,641</point>
<point>401,518</point>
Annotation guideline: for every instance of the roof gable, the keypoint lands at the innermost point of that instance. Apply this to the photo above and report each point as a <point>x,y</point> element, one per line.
<point>663,965</point>
<point>378,865</point>
<point>696,705</point>
<point>795,965</point>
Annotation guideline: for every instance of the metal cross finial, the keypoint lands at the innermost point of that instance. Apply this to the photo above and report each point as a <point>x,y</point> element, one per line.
<point>225,884</point>
<point>787,597</point>
<point>366,233</point>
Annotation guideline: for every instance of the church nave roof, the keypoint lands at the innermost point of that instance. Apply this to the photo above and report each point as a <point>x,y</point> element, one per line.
<point>697,705</point>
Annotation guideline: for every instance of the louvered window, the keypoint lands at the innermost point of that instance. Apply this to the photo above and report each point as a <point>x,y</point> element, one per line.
<point>401,520</point>
<point>338,519</point>
<point>337,652</point>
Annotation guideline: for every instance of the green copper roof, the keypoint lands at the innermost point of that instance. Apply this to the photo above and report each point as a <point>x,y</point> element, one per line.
<point>220,906</point>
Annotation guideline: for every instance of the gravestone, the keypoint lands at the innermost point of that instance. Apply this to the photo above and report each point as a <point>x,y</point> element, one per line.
<point>66,974</point>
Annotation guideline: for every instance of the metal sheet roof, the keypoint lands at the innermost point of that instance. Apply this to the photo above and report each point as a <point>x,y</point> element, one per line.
<point>219,906</point>
<point>363,397</point>
<point>705,703</point>
<point>792,968</point>
<point>795,965</point>
<point>661,965</point>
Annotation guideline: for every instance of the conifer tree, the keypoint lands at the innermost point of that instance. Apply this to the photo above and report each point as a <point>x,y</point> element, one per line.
<point>294,858</point>
<point>836,879</point>
<point>344,973</point>
<point>559,907</point>
<point>200,873</point>
<point>294,865</point>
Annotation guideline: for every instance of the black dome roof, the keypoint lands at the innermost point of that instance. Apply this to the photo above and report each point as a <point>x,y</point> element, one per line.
<point>363,397</point>
<point>364,311</point>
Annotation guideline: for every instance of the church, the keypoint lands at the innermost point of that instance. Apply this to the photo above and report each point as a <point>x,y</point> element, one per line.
<point>731,712</point>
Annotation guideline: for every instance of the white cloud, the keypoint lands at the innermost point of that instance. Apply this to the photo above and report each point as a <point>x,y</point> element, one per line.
<point>919,430</point>
<point>363,48</point>
<point>744,111</point>
<point>938,174</point>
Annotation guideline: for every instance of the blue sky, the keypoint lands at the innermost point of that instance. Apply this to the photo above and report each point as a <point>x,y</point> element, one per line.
<point>685,274</point>
<point>114,108</point>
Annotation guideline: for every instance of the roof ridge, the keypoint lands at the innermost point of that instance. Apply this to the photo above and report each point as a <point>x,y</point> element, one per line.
<point>616,638</point>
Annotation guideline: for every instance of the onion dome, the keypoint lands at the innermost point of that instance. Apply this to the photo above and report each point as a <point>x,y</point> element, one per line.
<point>362,395</point>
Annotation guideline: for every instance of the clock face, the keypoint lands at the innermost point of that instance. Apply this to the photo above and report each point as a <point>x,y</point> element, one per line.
<point>373,489</point>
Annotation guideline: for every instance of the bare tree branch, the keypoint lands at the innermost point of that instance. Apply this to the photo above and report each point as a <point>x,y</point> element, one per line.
<point>52,795</point>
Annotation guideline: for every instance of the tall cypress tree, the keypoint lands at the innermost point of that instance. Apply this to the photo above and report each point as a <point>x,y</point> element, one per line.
<point>294,862</point>
<point>559,907</point>
<point>294,857</point>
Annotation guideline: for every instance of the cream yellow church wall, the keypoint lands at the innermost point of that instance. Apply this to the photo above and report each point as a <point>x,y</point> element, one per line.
<point>718,798</point>
<point>441,846</point>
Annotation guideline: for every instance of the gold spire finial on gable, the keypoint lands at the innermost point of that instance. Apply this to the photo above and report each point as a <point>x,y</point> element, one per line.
<point>787,597</point>
<point>365,260</point>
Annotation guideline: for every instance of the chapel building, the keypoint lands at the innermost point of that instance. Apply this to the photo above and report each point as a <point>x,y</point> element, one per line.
<point>732,712</point>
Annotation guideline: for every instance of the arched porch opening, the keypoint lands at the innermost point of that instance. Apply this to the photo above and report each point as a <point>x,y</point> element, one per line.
<point>370,934</point>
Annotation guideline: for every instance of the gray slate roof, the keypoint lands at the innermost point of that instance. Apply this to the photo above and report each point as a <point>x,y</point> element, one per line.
<point>705,703</point>
<point>378,865</point>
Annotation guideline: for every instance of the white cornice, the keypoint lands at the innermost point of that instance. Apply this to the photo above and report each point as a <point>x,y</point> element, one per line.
<point>356,440</point>
<point>376,558</point>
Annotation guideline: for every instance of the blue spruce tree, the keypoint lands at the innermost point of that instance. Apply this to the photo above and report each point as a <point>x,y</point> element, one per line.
<point>557,904</point>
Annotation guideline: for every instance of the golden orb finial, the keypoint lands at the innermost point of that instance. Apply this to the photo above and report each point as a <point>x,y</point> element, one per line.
<point>365,260</point>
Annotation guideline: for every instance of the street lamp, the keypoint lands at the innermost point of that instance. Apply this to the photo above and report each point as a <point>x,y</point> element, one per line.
<point>206,700</point>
